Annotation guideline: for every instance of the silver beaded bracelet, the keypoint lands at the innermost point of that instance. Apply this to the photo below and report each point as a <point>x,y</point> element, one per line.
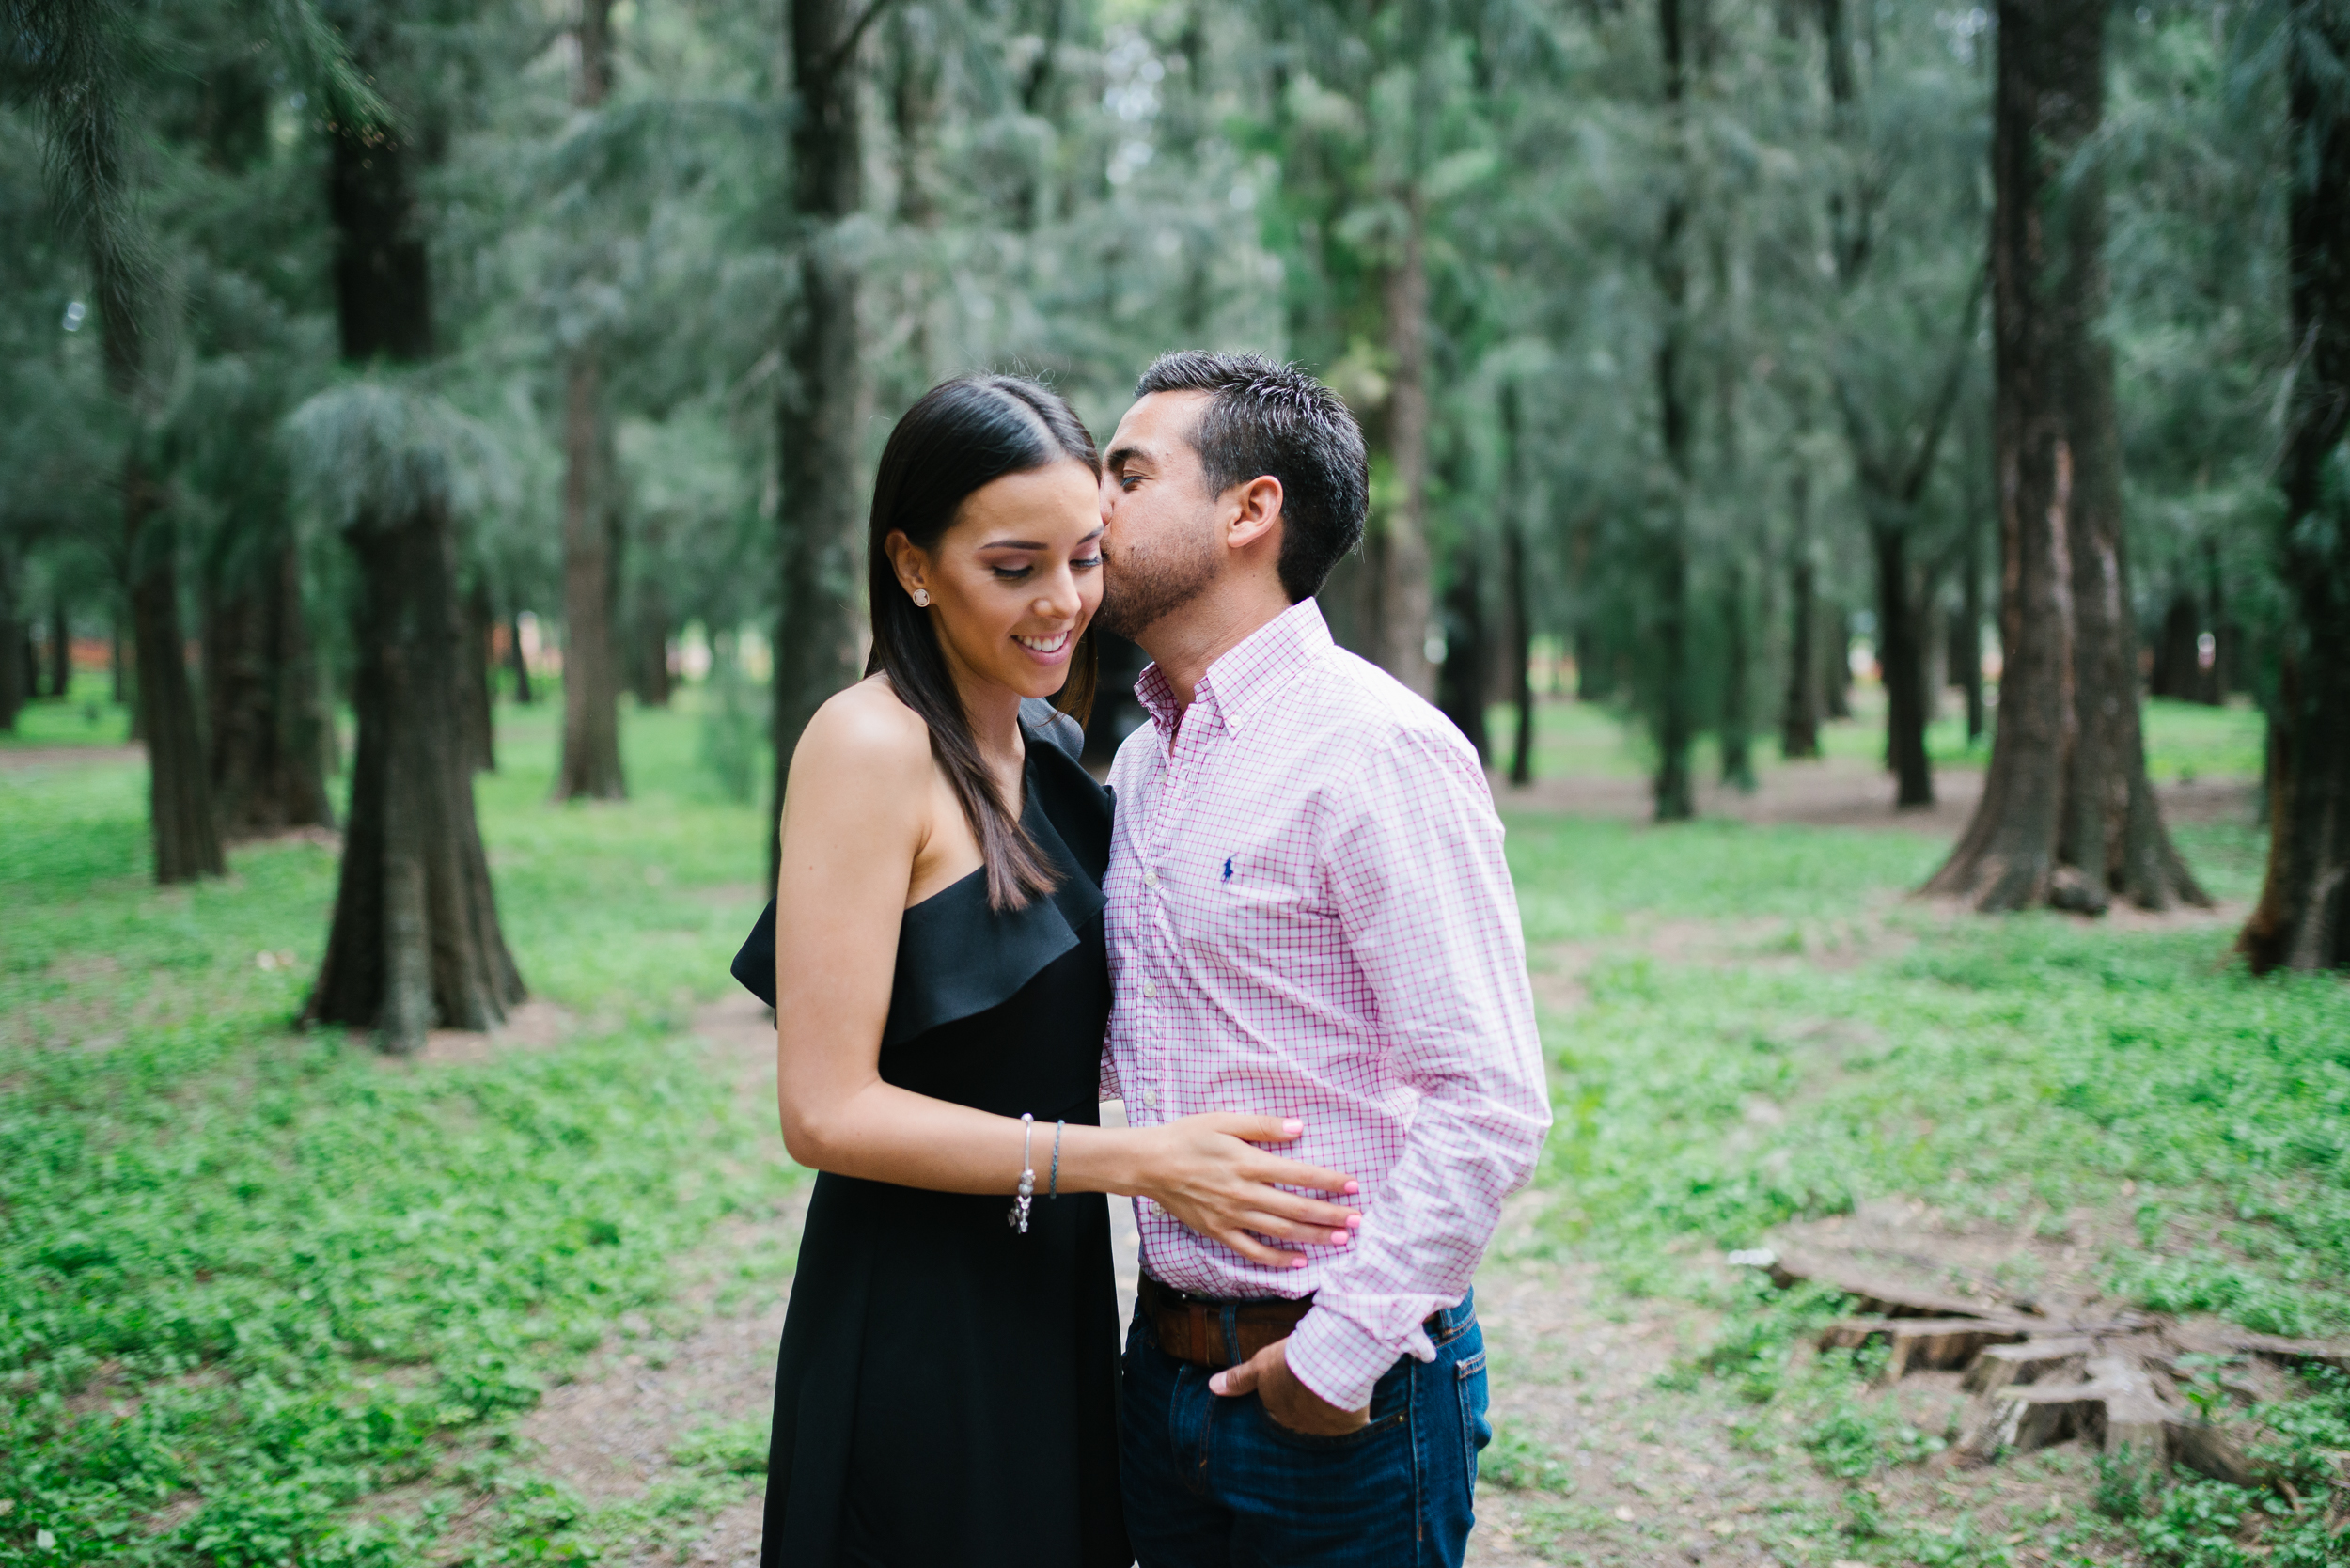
<point>1018,1218</point>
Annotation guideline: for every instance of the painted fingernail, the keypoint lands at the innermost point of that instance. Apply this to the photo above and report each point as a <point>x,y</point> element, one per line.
<point>1300,1263</point>
<point>1353,1186</point>
<point>1292,1127</point>
<point>1354,1222</point>
<point>1340,1238</point>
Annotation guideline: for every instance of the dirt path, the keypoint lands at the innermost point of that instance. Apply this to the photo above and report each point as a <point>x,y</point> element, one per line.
<point>1567,1375</point>
<point>26,758</point>
<point>1645,1467</point>
<point>1840,791</point>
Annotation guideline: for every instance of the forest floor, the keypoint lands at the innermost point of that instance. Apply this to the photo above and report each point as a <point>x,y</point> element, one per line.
<point>517,1299</point>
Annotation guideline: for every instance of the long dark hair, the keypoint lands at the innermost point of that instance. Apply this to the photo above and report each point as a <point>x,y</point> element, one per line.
<point>962,434</point>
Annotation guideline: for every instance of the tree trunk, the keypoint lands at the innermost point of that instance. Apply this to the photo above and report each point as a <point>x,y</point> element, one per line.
<point>2048,52</point>
<point>916,99</point>
<point>2219,679</point>
<point>415,938</point>
<point>1672,701</point>
<point>650,667</point>
<point>1799,719</point>
<point>1901,661</point>
<point>1521,653</point>
<point>821,415</point>
<point>1966,631</point>
<point>60,647</point>
<point>1594,677</point>
<point>1836,659</point>
<point>262,693</point>
<point>12,678</point>
<point>2068,815</point>
<point>473,674</point>
<point>590,767</point>
<point>1466,674</point>
<point>1405,591</point>
<point>2302,920</point>
<point>2112,834</point>
<point>179,798</point>
<point>2175,670</point>
<point>1737,677</point>
<point>179,795</point>
<point>514,658</point>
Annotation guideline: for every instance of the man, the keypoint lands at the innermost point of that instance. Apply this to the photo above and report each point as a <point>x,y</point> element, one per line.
<point>1309,916</point>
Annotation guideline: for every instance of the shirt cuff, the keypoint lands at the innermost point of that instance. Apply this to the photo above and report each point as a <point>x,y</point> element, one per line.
<point>1340,1360</point>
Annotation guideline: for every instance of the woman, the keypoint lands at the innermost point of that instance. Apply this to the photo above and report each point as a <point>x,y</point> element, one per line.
<point>946,1392</point>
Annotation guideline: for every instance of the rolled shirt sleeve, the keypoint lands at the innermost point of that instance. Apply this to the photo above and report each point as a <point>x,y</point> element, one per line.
<point>1414,858</point>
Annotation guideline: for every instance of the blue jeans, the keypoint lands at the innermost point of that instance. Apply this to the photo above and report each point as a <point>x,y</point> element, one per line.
<point>1215,1482</point>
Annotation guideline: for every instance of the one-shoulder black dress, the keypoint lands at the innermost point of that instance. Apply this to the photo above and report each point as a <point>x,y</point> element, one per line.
<point>946,1395</point>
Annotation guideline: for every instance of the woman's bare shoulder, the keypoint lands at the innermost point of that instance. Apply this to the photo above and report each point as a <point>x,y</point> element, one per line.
<point>866,738</point>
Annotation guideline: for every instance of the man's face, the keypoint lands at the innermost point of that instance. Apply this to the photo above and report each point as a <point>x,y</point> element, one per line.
<point>1162,548</point>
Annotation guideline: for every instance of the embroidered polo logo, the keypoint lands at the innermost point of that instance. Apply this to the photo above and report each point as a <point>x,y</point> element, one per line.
<point>1228,868</point>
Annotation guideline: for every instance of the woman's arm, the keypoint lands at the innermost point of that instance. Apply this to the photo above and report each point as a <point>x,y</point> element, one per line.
<point>860,806</point>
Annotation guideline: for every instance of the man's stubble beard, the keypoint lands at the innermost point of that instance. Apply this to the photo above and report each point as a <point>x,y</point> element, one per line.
<point>1137,592</point>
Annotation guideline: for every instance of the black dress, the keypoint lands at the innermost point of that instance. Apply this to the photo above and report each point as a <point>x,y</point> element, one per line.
<point>947,1393</point>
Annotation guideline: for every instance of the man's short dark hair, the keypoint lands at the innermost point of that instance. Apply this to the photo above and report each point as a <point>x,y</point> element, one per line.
<point>1267,419</point>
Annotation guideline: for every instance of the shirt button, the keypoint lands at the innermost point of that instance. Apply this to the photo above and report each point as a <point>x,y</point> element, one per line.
<point>1149,988</point>
<point>1150,1098</point>
<point>1150,879</point>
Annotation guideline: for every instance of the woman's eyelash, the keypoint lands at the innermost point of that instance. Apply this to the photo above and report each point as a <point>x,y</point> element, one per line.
<point>1011,573</point>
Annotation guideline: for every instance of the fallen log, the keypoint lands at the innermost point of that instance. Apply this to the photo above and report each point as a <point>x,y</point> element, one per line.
<point>2220,1340</point>
<point>1873,1293</point>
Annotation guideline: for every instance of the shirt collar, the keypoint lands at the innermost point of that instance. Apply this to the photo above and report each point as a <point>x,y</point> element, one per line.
<point>1246,673</point>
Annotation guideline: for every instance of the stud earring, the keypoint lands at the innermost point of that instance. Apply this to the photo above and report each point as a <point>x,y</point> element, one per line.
<point>922,597</point>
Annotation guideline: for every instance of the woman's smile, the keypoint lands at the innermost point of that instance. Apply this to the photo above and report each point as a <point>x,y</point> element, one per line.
<point>1050,648</point>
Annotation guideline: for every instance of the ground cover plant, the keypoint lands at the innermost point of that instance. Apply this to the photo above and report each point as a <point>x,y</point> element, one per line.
<point>249,1279</point>
<point>268,1298</point>
<point>1752,1030</point>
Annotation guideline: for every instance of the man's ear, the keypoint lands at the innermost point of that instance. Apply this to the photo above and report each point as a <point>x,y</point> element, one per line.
<point>1257,511</point>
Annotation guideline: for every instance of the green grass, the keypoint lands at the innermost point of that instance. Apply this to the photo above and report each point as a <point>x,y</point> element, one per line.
<point>268,1298</point>
<point>1834,1044</point>
<point>85,716</point>
<point>2184,741</point>
<point>249,1280</point>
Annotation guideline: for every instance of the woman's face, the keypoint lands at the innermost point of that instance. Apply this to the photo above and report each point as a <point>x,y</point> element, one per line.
<point>1015,579</point>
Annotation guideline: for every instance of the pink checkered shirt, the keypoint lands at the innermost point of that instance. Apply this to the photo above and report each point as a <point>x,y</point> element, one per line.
<point>1309,916</point>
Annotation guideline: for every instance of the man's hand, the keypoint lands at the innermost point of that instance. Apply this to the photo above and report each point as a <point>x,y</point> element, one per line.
<point>1290,1403</point>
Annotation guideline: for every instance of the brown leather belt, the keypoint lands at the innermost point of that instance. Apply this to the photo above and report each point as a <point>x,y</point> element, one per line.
<point>1191,1327</point>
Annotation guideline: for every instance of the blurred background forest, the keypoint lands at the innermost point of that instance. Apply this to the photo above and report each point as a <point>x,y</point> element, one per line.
<point>1696,353</point>
<point>1906,439</point>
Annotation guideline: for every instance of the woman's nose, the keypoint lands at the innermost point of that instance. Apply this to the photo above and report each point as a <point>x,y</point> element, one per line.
<point>1060,595</point>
